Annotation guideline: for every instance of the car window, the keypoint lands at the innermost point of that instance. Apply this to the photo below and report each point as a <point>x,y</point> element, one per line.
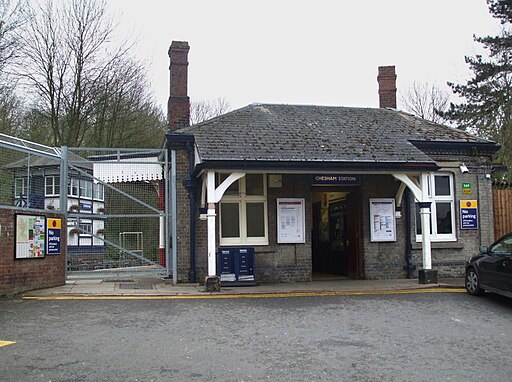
<point>503,246</point>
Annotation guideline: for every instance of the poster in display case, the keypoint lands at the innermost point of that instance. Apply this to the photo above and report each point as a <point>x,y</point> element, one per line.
<point>291,221</point>
<point>30,236</point>
<point>382,220</point>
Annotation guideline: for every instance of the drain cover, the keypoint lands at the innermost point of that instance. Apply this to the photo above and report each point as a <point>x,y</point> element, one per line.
<point>135,286</point>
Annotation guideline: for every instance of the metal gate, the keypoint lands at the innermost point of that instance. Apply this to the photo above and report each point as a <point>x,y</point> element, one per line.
<point>117,212</point>
<point>115,201</point>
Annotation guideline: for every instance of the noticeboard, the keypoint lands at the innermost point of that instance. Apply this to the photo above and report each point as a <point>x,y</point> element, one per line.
<point>291,221</point>
<point>382,220</point>
<point>30,236</point>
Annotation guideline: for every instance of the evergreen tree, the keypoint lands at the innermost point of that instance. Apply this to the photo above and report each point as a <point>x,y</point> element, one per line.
<point>487,110</point>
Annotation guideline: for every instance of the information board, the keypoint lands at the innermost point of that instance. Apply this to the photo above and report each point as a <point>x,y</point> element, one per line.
<point>30,236</point>
<point>291,221</point>
<point>382,220</point>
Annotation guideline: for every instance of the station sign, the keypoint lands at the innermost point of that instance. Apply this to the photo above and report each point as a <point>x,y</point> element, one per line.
<point>336,180</point>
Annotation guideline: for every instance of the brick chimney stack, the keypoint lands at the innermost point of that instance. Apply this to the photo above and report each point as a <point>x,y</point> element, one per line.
<point>387,87</point>
<point>178,106</point>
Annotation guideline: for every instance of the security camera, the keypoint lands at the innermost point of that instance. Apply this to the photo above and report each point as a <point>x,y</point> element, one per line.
<point>463,168</point>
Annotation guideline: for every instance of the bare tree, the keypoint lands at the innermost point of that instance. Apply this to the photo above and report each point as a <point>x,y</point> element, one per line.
<point>76,65</point>
<point>426,101</point>
<point>126,114</point>
<point>11,20</point>
<point>203,110</point>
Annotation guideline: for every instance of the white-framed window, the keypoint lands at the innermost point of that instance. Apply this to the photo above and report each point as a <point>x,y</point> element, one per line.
<point>85,189</point>
<point>73,187</point>
<point>98,191</point>
<point>20,187</point>
<point>52,185</point>
<point>85,228</point>
<point>442,210</point>
<point>243,211</point>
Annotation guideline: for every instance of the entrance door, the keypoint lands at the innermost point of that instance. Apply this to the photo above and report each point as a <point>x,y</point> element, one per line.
<point>335,247</point>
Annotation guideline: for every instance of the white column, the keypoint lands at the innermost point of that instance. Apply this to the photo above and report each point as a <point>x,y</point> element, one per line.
<point>425,223</point>
<point>212,260</point>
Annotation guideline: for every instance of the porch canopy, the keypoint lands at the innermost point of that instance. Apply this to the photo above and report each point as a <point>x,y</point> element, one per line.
<point>269,138</point>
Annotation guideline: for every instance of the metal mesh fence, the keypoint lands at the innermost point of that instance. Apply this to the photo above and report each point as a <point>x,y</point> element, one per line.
<point>115,203</point>
<point>22,178</point>
<point>117,212</point>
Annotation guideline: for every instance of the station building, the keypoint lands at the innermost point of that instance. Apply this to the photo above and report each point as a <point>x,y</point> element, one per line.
<point>321,191</point>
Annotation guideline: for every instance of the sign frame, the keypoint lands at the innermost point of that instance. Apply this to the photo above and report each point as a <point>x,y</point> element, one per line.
<point>468,214</point>
<point>382,220</point>
<point>29,236</point>
<point>53,236</point>
<point>291,220</point>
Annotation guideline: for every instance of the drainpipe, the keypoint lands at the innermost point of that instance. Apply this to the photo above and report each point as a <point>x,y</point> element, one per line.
<point>191,185</point>
<point>174,228</point>
<point>63,197</point>
<point>410,267</point>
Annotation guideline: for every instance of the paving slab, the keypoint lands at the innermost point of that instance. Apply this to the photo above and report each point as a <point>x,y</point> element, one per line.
<point>160,287</point>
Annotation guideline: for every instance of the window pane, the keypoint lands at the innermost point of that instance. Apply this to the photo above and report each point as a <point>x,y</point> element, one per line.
<point>86,228</point>
<point>255,219</point>
<point>442,185</point>
<point>504,246</point>
<point>418,221</point>
<point>230,220</point>
<point>48,181</point>
<point>233,189</point>
<point>254,184</point>
<point>444,218</point>
<point>98,191</point>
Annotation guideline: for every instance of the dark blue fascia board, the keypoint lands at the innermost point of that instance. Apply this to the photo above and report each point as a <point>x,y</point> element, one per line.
<point>477,147</point>
<point>175,141</point>
<point>312,167</point>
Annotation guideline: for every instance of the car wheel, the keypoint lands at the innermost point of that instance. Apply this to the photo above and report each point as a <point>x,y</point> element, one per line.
<point>473,283</point>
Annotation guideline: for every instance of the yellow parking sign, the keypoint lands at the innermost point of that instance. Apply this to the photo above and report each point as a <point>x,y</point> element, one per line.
<point>468,204</point>
<point>54,223</point>
<point>468,214</point>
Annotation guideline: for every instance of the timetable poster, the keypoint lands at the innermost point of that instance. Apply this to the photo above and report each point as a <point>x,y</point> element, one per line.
<point>30,236</point>
<point>382,220</point>
<point>291,221</point>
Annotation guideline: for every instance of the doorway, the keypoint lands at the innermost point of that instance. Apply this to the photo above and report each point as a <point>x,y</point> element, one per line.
<point>336,234</point>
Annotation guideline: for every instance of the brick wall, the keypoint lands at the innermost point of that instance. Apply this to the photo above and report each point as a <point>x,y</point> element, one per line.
<point>387,260</point>
<point>27,274</point>
<point>286,262</point>
<point>381,260</point>
<point>183,215</point>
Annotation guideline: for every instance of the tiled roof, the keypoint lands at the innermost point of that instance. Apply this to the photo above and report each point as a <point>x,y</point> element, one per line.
<point>264,132</point>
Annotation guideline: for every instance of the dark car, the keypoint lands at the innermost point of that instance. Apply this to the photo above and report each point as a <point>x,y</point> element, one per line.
<point>491,270</point>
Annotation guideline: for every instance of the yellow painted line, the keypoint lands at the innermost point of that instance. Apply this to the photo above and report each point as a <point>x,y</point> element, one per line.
<point>5,343</point>
<point>249,295</point>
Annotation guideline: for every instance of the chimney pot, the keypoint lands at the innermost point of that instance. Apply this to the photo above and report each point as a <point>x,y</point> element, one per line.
<point>387,87</point>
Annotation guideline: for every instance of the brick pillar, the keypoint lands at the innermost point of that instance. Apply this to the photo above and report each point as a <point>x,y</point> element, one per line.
<point>178,106</point>
<point>387,87</point>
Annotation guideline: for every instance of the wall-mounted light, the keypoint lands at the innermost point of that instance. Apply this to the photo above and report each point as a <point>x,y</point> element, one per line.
<point>463,168</point>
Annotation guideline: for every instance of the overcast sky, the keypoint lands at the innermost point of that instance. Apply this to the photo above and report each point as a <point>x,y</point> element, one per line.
<point>305,52</point>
